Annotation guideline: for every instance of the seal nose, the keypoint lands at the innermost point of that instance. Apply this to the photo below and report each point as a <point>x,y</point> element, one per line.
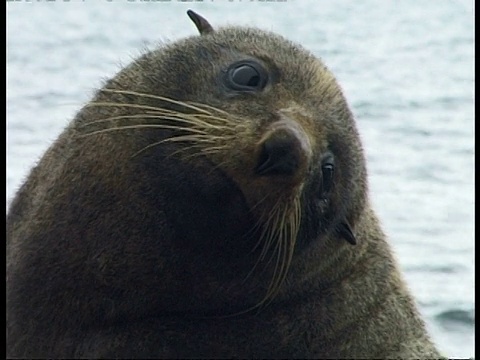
<point>282,152</point>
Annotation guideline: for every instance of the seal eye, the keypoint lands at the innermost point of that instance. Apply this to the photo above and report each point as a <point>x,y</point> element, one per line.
<point>246,76</point>
<point>327,176</point>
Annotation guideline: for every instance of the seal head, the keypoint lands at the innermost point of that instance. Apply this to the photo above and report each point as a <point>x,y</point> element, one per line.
<point>199,205</point>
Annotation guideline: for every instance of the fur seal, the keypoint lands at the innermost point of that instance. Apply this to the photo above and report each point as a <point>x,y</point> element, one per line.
<point>211,201</point>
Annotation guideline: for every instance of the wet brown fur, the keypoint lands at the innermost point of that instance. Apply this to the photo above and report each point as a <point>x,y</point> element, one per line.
<point>136,236</point>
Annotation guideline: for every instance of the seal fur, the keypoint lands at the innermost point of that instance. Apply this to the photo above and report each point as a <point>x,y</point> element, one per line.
<point>177,217</point>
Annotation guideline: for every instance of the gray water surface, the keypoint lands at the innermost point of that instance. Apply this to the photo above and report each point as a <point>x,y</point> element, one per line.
<point>406,68</point>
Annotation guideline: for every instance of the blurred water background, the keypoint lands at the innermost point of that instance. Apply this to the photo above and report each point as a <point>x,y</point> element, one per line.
<point>406,68</point>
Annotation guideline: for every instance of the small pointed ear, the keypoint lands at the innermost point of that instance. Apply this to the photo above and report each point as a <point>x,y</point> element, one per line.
<point>202,25</point>
<point>345,231</point>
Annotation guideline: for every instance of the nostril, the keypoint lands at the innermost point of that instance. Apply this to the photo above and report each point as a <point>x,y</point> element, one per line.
<point>280,154</point>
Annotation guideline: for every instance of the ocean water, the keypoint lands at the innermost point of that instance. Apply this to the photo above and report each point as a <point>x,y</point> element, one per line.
<point>406,68</point>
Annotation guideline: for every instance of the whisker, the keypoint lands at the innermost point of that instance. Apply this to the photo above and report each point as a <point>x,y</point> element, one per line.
<point>284,249</point>
<point>188,119</point>
<point>286,221</point>
<point>114,104</point>
<point>279,264</point>
<point>208,150</point>
<point>144,126</point>
<point>198,117</point>
<point>192,104</point>
<point>269,235</point>
<point>273,215</point>
<point>189,104</point>
<point>257,223</point>
<point>193,137</point>
<point>198,139</point>
<point>266,236</point>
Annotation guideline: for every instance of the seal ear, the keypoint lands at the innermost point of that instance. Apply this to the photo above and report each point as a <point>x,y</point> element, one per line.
<point>345,231</point>
<point>202,25</point>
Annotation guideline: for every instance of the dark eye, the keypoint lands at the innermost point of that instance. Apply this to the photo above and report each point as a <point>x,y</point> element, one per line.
<point>246,76</point>
<point>327,175</point>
